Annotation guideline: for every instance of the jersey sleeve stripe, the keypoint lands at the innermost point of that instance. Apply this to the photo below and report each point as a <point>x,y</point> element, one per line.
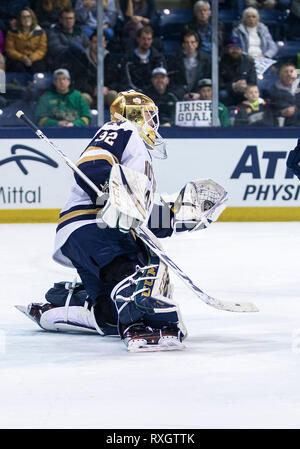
<point>80,207</point>
<point>105,157</point>
<point>101,150</point>
<point>78,213</point>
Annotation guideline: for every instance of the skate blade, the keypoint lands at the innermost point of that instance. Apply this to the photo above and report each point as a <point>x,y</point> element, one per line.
<point>156,348</point>
<point>24,310</point>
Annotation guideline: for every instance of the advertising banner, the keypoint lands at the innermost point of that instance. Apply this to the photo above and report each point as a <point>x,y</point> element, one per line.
<point>35,182</point>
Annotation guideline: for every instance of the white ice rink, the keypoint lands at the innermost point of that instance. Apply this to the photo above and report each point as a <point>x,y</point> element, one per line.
<point>238,371</point>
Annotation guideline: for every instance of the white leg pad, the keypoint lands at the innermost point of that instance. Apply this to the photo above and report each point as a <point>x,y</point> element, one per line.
<point>78,318</point>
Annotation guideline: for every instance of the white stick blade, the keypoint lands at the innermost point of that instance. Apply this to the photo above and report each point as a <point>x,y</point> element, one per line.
<point>231,306</point>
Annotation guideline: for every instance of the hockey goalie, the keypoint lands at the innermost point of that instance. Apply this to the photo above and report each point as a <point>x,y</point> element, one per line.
<point>125,289</point>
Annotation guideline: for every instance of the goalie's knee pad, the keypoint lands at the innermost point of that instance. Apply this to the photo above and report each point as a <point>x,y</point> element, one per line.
<point>147,295</point>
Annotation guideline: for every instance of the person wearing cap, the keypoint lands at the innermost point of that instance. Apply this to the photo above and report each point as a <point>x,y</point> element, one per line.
<point>237,70</point>
<point>205,93</point>
<point>164,96</point>
<point>256,39</point>
<point>62,105</point>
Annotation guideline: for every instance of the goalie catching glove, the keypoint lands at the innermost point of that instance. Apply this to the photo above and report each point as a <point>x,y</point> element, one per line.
<point>198,204</point>
<point>130,199</point>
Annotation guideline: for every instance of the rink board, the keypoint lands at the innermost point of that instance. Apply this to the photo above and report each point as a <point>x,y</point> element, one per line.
<point>250,164</point>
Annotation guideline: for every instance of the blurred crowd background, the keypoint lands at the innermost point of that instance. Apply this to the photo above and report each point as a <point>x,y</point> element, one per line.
<point>49,57</point>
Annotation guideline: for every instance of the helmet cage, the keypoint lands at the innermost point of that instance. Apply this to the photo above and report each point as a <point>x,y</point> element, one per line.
<point>144,116</point>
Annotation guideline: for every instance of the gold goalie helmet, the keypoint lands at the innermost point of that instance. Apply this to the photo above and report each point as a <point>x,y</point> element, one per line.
<point>143,113</point>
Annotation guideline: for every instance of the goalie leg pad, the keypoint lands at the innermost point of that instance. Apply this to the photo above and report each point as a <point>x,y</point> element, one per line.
<point>69,309</point>
<point>72,319</point>
<point>58,294</point>
<point>146,296</point>
<point>75,319</point>
<point>58,318</point>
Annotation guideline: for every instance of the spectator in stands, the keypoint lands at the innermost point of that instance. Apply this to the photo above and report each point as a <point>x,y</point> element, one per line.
<point>254,111</point>
<point>26,47</point>
<point>137,14</point>
<point>2,42</point>
<point>223,4</point>
<point>189,65</point>
<point>255,37</point>
<point>293,21</point>
<point>138,63</point>
<point>84,73</point>
<point>62,106</point>
<point>48,11</point>
<point>9,10</point>
<point>285,96</point>
<point>205,93</point>
<point>86,15</point>
<point>66,41</point>
<point>261,4</point>
<point>111,12</point>
<point>2,49</point>
<point>2,63</point>
<point>201,23</point>
<point>237,70</point>
<point>164,97</point>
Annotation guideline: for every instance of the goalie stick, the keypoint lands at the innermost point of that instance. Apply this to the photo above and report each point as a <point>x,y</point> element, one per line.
<point>148,237</point>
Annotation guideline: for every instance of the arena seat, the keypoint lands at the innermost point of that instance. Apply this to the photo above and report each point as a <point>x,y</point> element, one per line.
<point>289,51</point>
<point>171,22</point>
<point>8,113</point>
<point>275,20</point>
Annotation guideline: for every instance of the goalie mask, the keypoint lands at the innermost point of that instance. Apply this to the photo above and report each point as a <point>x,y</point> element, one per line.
<point>143,113</point>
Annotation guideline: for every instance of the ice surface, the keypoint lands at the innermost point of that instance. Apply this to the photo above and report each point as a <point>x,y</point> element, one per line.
<point>238,371</point>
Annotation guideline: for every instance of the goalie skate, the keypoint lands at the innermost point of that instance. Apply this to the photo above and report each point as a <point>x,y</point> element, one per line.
<point>34,311</point>
<point>139,338</point>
